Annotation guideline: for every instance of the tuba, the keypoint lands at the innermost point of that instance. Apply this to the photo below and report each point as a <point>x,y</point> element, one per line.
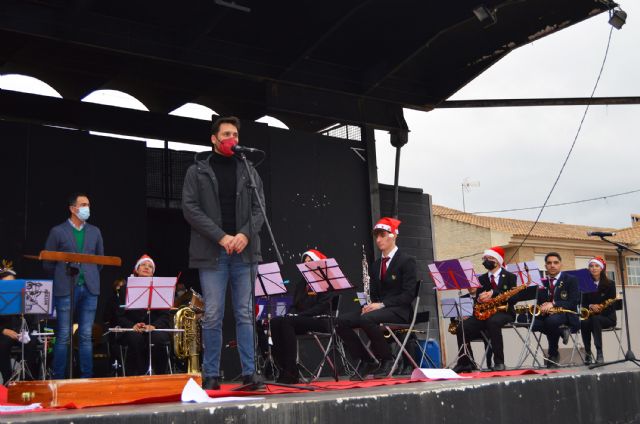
<point>186,344</point>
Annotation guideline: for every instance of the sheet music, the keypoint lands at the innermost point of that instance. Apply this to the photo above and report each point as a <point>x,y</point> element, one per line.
<point>527,272</point>
<point>150,292</point>
<point>269,280</point>
<point>455,307</point>
<point>38,297</point>
<point>453,274</point>
<point>318,272</point>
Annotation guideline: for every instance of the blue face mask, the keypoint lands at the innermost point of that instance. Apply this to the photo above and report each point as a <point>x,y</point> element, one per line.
<point>83,213</point>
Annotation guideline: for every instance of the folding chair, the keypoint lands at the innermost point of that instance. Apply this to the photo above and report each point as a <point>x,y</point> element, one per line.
<point>617,329</point>
<point>392,328</point>
<point>316,336</point>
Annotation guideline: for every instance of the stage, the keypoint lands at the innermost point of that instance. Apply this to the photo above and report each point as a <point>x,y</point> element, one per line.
<point>569,395</point>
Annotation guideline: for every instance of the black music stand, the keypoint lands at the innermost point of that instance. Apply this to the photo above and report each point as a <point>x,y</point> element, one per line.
<point>455,274</point>
<point>269,283</point>
<point>323,276</point>
<point>628,356</point>
<point>150,293</point>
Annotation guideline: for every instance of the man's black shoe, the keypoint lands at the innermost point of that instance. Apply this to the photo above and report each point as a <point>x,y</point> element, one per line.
<point>365,369</point>
<point>499,367</point>
<point>565,335</point>
<point>599,357</point>
<point>588,358</point>
<point>463,368</point>
<point>253,382</point>
<point>553,360</point>
<point>211,383</point>
<point>385,369</point>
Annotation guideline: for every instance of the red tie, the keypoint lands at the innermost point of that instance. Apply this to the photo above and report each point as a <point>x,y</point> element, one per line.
<point>551,287</point>
<point>493,282</point>
<point>383,269</point>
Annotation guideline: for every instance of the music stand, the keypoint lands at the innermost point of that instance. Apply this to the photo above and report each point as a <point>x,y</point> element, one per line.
<point>455,274</point>
<point>268,283</point>
<point>73,261</point>
<point>149,293</point>
<point>25,297</point>
<point>323,276</point>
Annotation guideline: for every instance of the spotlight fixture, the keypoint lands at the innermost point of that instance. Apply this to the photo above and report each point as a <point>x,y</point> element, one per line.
<point>485,15</point>
<point>617,18</point>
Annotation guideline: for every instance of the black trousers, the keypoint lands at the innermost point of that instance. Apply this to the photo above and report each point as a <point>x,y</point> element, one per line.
<point>492,327</point>
<point>369,323</point>
<point>284,331</point>
<point>594,325</point>
<point>30,355</point>
<point>550,326</point>
<point>138,351</point>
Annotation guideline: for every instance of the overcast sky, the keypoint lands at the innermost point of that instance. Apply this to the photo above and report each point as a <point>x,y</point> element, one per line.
<point>516,153</point>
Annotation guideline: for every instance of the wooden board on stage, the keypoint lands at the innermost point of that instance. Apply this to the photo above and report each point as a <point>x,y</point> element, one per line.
<point>84,392</point>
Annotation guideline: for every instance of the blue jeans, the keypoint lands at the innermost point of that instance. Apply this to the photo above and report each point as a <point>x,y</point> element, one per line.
<point>85,311</point>
<point>230,270</point>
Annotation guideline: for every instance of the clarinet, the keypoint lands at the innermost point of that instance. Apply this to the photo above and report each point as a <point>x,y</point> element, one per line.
<point>366,283</point>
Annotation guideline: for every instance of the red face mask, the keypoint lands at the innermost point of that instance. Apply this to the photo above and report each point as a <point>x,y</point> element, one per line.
<point>224,146</point>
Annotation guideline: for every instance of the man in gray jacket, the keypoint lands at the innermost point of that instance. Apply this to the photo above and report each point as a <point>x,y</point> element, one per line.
<point>75,235</point>
<point>225,220</point>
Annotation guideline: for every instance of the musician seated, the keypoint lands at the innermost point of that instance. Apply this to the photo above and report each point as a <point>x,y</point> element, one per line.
<point>137,340</point>
<point>10,332</point>
<point>495,282</point>
<point>306,314</point>
<point>602,313</point>
<point>393,287</point>
<point>558,300</point>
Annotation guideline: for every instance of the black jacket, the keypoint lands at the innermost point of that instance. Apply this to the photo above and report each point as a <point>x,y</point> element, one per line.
<point>600,296</point>
<point>201,209</point>
<point>506,282</point>
<point>398,289</point>
<point>309,304</point>
<point>566,295</point>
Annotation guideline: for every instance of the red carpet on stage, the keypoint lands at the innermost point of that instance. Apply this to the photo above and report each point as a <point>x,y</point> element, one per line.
<point>276,390</point>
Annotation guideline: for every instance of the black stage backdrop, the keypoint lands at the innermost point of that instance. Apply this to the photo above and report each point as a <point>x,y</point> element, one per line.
<point>316,187</point>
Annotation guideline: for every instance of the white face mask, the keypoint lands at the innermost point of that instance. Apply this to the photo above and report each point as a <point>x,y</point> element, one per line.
<point>83,213</point>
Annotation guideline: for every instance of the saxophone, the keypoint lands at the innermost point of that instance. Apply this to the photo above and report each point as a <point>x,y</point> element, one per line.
<point>186,344</point>
<point>483,311</point>
<point>586,313</point>
<point>366,281</point>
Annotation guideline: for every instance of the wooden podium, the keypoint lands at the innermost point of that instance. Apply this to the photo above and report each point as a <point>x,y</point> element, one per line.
<point>85,392</point>
<point>74,258</point>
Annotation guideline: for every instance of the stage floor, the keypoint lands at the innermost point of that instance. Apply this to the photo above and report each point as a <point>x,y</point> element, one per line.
<point>572,395</point>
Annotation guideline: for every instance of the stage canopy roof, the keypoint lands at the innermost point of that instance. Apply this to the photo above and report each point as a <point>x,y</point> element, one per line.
<point>308,63</point>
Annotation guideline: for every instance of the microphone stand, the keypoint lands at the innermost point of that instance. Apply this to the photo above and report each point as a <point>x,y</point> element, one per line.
<point>254,188</point>
<point>629,356</point>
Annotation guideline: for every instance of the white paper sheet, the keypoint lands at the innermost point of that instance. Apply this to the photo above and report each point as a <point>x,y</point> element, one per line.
<point>435,374</point>
<point>192,392</point>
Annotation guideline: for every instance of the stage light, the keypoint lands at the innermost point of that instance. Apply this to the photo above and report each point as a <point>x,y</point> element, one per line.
<point>485,15</point>
<point>617,18</point>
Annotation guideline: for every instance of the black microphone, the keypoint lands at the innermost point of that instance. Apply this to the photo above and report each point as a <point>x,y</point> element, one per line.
<point>242,149</point>
<point>600,234</point>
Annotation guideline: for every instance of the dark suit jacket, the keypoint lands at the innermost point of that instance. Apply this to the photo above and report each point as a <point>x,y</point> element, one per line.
<point>566,295</point>
<point>506,282</point>
<point>398,289</point>
<point>61,239</point>
<point>600,296</point>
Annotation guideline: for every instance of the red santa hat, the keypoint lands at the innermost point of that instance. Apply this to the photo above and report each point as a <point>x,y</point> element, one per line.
<point>388,224</point>
<point>496,253</point>
<point>314,254</point>
<point>598,260</point>
<point>145,258</point>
